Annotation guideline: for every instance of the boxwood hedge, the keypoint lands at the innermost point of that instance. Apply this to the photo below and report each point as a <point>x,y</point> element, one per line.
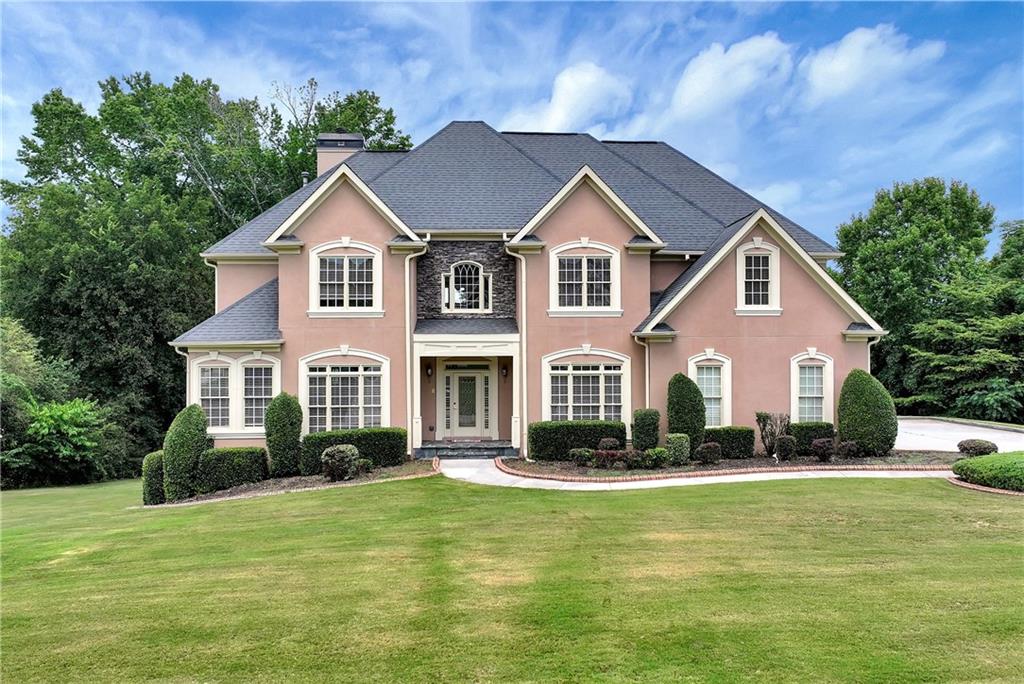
<point>1003,471</point>
<point>228,467</point>
<point>551,440</point>
<point>867,414</point>
<point>806,433</point>
<point>283,423</point>
<point>185,442</point>
<point>646,424</point>
<point>153,478</point>
<point>736,441</point>
<point>383,446</point>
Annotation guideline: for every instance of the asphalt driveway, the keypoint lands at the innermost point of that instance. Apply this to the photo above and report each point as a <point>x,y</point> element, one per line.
<point>928,434</point>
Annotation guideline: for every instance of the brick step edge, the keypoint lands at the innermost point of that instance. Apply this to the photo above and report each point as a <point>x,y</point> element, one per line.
<point>508,470</point>
<point>982,488</point>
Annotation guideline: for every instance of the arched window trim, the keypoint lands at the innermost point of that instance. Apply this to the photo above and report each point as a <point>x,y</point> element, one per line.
<point>614,309</point>
<point>709,357</point>
<point>344,350</point>
<point>485,285</point>
<point>758,246</point>
<point>314,309</point>
<point>236,388</point>
<point>812,357</point>
<point>586,350</point>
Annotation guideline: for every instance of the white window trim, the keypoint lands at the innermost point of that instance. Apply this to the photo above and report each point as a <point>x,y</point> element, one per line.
<point>236,389</point>
<point>316,311</point>
<point>711,357</point>
<point>344,350</point>
<point>586,350</point>
<point>828,383</point>
<point>486,285</point>
<point>774,306</point>
<point>613,310</point>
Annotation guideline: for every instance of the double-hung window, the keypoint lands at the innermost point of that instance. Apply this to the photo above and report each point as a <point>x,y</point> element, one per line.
<point>259,388</point>
<point>811,394</point>
<point>756,280</point>
<point>346,282</point>
<point>214,395</point>
<point>758,289</point>
<point>584,281</point>
<point>586,392</point>
<point>709,381</point>
<point>342,397</point>
<point>466,289</point>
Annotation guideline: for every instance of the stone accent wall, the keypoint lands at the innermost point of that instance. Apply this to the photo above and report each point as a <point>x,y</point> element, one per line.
<point>439,258</point>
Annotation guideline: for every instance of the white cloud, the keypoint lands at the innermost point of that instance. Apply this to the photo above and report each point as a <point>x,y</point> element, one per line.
<point>719,78</point>
<point>581,95</point>
<point>781,196</point>
<point>864,61</point>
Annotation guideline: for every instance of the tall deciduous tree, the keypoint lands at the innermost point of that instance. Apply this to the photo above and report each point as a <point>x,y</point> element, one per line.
<point>917,237</point>
<point>101,251</point>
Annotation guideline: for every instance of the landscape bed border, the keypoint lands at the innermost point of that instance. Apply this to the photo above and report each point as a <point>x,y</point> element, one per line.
<point>509,470</point>
<point>981,488</point>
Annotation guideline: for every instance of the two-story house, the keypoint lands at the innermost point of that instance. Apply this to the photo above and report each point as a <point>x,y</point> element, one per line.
<point>485,280</point>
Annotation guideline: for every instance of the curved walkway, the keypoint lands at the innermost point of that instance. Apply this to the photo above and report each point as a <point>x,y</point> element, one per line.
<point>483,471</point>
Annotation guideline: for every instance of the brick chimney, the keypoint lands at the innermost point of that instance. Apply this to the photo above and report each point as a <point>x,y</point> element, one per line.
<point>335,147</point>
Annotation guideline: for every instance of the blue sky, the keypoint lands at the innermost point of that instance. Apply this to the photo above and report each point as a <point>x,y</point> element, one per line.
<point>811,107</point>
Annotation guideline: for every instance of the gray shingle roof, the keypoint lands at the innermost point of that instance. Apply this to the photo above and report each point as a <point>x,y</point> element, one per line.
<point>470,177</point>
<point>466,326</point>
<point>253,318</point>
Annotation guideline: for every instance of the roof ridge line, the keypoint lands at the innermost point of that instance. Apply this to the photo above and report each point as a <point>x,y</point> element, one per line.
<point>536,163</point>
<point>662,184</point>
<point>409,153</point>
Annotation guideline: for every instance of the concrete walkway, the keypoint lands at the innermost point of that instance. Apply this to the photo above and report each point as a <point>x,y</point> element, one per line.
<point>929,434</point>
<point>483,471</point>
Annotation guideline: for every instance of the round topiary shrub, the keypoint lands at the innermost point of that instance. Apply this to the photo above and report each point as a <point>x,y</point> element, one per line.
<point>867,414</point>
<point>678,448</point>
<point>822,449</point>
<point>283,424</point>
<point>340,462</point>
<point>646,424</point>
<point>708,453</point>
<point>977,447</point>
<point>184,444</point>
<point>608,444</point>
<point>685,408</point>
<point>153,479</point>
<point>848,450</point>
<point>785,447</point>
<point>581,457</point>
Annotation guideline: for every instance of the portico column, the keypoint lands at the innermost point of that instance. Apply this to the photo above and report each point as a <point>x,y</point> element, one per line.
<point>516,408</point>
<point>417,419</point>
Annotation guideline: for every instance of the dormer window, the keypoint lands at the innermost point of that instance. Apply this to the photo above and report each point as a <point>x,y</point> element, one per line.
<point>465,288</point>
<point>757,279</point>
<point>345,280</point>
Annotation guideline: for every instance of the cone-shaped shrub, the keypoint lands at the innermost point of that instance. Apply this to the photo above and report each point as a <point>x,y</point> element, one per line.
<point>867,414</point>
<point>686,408</point>
<point>645,428</point>
<point>283,424</point>
<point>153,478</point>
<point>185,442</point>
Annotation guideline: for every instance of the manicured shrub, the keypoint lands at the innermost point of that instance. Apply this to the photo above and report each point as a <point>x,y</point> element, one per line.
<point>805,433</point>
<point>655,458</point>
<point>184,443</point>
<point>550,440</point>
<point>977,447</point>
<point>685,408</point>
<point>283,424</point>
<point>340,462</point>
<point>736,441</point>
<point>609,444</point>
<point>153,478</point>
<point>609,458</point>
<point>581,457</point>
<point>771,426</point>
<point>227,467</point>
<point>363,465</point>
<point>646,424</point>
<point>867,414</point>
<point>708,453</point>
<point>1003,471</point>
<point>785,447</point>
<point>848,449</point>
<point>822,449</point>
<point>383,446</point>
<point>678,448</point>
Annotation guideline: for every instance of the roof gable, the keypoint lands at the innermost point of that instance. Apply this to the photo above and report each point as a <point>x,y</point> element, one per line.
<point>252,319</point>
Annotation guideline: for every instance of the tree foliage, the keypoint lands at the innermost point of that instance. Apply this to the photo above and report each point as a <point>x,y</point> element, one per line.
<point>101,246</point>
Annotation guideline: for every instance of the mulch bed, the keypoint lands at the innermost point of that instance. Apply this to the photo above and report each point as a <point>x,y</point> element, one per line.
<point>303,483</point>
<point>896,460</point>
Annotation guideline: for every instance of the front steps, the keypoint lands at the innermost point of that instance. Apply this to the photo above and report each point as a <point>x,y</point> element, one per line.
<point>483,449</point>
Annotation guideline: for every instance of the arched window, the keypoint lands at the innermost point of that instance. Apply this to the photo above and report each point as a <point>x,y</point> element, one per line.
<point>812,383</point>
<point>345,388</point>
<point>583,280</point>
<point>757,279</point>
<point>712,372</point>
<point>595,385</point>
<point>345,280</point>
<point>465,288</point>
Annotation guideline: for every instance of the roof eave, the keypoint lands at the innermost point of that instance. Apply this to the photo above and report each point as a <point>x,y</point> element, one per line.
<point>266,345</point>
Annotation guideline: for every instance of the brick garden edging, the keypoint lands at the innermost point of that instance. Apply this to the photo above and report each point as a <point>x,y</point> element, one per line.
<point>508,470</point>
<point>982,488</point>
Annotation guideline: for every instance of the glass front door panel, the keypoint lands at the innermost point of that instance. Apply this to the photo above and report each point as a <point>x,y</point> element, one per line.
<point>467,401</point>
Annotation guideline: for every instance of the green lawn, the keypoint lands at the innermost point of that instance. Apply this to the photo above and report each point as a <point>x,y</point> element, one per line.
<point>425,580</point>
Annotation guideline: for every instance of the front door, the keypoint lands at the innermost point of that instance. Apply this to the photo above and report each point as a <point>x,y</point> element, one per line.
<point>467,404</point>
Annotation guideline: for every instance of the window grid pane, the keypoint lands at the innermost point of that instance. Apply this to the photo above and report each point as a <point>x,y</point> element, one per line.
<point>317,403</point>
<point>258,393</point>
<point>599,281</point>
<point>354,398</point>
<point>466,287</point>
<point>586,392</point>
<point>559,397</point>
<point>332,283</point>
<point>755,280</point>
<point>570,281</point>
<point>811,396</point>
<point>344,402</point>
<point>709,381</point>
<point>612,397</point>
<point>360,282</point>
<point>213,395</point>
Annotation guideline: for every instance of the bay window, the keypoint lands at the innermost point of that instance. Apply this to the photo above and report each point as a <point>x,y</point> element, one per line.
<point>214,395</point>
<point>259,390</point>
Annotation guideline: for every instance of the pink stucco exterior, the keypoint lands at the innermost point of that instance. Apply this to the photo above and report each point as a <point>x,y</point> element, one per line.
<point>759,347</point>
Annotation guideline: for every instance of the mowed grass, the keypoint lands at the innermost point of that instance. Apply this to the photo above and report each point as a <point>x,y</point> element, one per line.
<point>437,580</point>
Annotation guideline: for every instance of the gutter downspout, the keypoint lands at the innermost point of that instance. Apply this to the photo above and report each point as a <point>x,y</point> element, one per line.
<point>216,295</point>
<point>872,342</point>
<point>522,350</point>
<point>188,380</point>
<point>409,354</point>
